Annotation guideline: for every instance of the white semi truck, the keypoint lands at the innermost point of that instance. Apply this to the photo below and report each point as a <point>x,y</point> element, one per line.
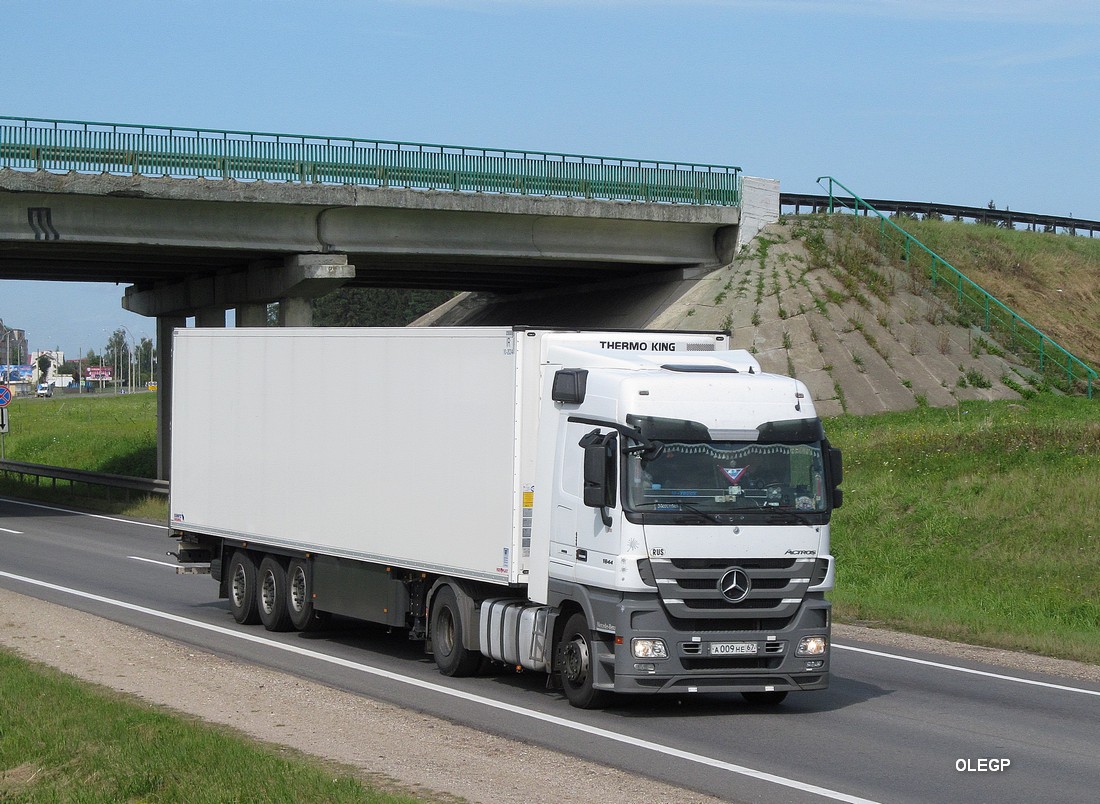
<point>628,512</point>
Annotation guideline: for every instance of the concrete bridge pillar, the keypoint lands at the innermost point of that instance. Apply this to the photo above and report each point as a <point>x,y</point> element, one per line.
<point>295,312</point>
<point>252,315</point>
<point>210,317</point>
<point>165,325</point>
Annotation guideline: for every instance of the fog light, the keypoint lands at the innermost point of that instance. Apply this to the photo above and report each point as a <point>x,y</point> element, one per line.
<point>811,646</point>
<point>645,668</point>
<point>649,648</point>
<point>815,664</point>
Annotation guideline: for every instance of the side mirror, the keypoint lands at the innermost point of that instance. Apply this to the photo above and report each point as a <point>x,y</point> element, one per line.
<point>836,474</point>
<point>599,472</point>
<point>836,467</point>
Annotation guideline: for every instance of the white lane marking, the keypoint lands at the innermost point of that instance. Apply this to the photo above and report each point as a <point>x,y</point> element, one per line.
<point>477,699</point>
<point>16,532</point>
<point>83,513</point>
<point>956,668</point>
<point>172,564</point>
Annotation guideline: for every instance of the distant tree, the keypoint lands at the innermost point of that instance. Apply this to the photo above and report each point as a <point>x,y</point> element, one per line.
<point>145,357</point>
<point>375,307</point>
<point>987,220</point>
<point>117,354</point>
<point>44,363</point>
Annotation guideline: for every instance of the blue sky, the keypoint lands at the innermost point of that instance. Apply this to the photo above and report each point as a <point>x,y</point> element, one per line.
<point>961,102</point>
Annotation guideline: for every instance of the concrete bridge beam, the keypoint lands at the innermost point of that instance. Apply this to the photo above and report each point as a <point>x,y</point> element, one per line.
<point>298,276</point>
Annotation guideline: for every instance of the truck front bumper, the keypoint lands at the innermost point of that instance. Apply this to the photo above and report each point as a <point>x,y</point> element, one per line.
<point>712,661</point>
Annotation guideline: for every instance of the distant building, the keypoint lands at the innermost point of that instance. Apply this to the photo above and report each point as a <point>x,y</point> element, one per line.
<point>57,359</point>
<point>14,355</point>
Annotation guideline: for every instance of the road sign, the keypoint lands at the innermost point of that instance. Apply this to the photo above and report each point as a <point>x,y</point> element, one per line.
<point>5,396</point>
<point>3,420</point>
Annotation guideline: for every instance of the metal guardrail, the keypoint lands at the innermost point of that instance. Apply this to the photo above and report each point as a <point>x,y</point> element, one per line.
<point>1009,218</point>
<point>73,476</point>
<point>63,145</point>
<point>995,315</point>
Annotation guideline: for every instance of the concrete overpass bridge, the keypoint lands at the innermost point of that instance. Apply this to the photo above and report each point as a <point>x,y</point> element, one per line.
<point>196,223</point>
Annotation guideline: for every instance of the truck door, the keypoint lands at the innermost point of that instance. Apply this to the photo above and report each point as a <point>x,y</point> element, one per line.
<point>568,482</point>
<point>596,528</point>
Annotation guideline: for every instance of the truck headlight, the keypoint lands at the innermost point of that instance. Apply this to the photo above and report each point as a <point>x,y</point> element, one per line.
<point>812,646</point>
<point>649,648</point>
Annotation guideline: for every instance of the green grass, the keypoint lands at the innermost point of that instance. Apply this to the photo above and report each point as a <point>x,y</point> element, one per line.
<point>98,433</point>
<point>64,740</point>
<point>101,433</point>
<point>976,524</point>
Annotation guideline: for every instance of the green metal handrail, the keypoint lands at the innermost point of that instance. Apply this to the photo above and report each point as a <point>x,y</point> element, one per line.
<point>39,144</point>
<point>995,314</point>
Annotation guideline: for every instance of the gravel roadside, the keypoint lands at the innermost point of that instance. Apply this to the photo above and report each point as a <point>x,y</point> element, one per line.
<point>387,746</point>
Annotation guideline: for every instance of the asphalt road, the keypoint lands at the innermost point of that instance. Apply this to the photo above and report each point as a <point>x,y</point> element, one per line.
<point>895,726</point>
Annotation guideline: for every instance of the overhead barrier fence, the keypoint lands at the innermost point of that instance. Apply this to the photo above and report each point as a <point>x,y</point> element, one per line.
<point>66,145</point>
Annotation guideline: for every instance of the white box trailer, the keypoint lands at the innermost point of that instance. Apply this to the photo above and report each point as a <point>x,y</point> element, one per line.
<point>412,460</point>
<point>493,491</point>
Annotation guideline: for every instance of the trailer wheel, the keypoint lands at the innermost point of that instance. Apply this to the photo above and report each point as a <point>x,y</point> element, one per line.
<point>299,596</point>
<point>577,671</point>
<point>451,655</point>
<point>271,595</point>
<point>242,588</point>
<point>765,698</point>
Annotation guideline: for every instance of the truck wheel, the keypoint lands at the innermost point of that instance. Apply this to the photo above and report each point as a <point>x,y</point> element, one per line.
<point>451,655</point>
<point>271,595</point>
<point>577,671</point>
<point>765,698</point>
<point>242,588</point>
<point>299,596</point>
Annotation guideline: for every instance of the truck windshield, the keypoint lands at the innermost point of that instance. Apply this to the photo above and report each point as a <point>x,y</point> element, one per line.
<point>726,477</point>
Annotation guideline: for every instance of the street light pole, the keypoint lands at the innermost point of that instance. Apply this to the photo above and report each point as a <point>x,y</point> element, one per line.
<point>132,357</point>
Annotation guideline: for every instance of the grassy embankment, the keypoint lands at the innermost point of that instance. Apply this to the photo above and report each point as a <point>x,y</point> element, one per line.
<point>979,523</point>
<point>976,524</point>
<point>1051,280</point>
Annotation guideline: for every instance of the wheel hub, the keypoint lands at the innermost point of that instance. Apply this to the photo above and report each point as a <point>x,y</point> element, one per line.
<point>267,593</point>
<point>575,660</point>
<point>238,587</point>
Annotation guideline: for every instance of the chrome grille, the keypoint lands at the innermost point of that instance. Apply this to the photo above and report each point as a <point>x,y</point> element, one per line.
<point>690,588</point>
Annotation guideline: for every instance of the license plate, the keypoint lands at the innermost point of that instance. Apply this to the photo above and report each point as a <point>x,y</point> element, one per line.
<point>732,648</point>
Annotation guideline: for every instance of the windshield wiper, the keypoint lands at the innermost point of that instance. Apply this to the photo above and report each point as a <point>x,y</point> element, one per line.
<point>788,518</point>
<point>707,515</point>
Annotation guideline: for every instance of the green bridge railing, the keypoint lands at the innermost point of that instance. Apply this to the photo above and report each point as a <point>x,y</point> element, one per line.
<point>995,316</point>
<point>67,145</point>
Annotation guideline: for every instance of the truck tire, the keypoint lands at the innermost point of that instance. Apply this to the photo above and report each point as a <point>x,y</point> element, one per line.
<point>452,657</point>
<point>577,671</point>
<point>271,595</point>
<point>242,588</point>
<point>299,596</point>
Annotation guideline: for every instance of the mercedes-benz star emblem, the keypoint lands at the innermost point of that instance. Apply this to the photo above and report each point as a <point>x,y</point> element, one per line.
<point>735,585</point>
